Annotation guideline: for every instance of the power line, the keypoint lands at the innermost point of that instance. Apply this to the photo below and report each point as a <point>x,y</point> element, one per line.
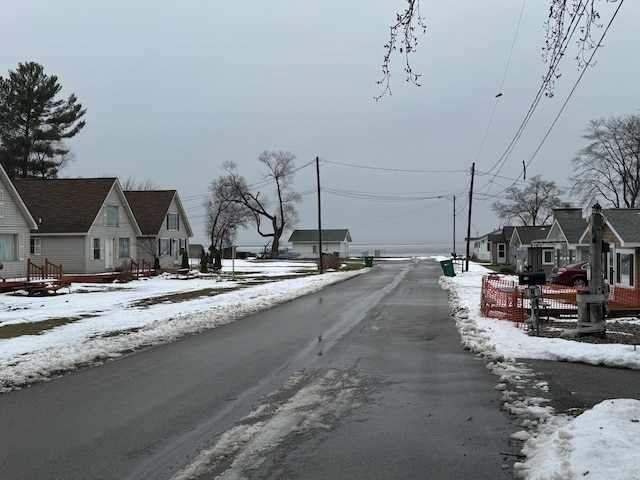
<point>394,169</point>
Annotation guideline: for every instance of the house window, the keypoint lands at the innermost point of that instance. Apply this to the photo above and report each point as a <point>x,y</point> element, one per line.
<point>173,222</point>
<point>547,257</point>
<point>164,247</point>
<point>96,249</point>
<point>123,248</point>
<point>488,246</point>
<point>112,216</point>
<point>315,249</point>
<point>501,250</point>
<point>35,246</point>
<point>8,247</point>
<point>625,264</point>
<point>183,245</point>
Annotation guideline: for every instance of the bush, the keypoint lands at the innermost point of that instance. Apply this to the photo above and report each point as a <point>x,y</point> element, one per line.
<point>330,262</point>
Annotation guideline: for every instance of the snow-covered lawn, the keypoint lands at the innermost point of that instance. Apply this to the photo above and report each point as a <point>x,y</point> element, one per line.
<point>92,323</point>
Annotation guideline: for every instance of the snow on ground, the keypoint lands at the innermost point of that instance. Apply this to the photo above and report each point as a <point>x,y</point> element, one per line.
<point>106,321</point>
<point>602,443</point>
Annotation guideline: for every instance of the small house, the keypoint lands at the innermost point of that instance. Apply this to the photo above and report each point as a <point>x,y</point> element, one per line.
<point>334,241</point>
<point>83,224</point>
<point>165,229</point>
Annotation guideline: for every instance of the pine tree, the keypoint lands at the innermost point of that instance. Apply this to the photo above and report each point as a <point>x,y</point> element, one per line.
<point>34,124</point>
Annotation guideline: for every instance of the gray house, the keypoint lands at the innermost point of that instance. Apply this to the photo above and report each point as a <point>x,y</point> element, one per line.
<point>565,236</point>
<point>621,231</point>
<point>526,249</point>
<point>336,241</point>
<point>16,223</point>
<point>164,227</point>
<point>83,224</point>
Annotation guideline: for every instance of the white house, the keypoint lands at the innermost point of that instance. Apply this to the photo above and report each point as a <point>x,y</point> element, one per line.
<point>306,243</point>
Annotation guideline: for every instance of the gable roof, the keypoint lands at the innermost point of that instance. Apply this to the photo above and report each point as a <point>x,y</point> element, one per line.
<point>18,199</point>
<point>572,228</point>
<point>502,235</point>
<point>150,208</point>
<point>308,236</point>
<point>625,224</point>
<point>527,234</point>
<point>67,205</point>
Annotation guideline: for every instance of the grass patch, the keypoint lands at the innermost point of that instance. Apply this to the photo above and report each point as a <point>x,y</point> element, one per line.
<point>182,296</point>
<point>35,328</point>
<point>117,333</point>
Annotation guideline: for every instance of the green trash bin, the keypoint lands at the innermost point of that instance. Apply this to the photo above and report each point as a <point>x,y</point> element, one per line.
<point>447,268</point>
<point>368,261</point>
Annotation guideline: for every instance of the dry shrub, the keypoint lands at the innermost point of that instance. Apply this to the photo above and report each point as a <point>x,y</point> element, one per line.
<point>330,262</point>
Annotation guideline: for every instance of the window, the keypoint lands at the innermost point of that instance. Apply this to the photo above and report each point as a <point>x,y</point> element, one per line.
<point>173,222</point>
<point>501,250</point>
<point>35,246</point>
<point>8,247</point>
<point>183,245</point>
<point>96,249</point>
<point>123,248</point>
<point>547,257</point>
<point>112,216</point>
<point>164,247</point>
<point>488,246</point>
<point>625,264</point>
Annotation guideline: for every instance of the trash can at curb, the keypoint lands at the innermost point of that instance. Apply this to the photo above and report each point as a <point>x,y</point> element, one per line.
<point>368,261</point>
<point>447,268</point>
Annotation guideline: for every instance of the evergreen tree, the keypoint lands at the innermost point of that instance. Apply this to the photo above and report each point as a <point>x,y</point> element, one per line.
<point>34,124</point>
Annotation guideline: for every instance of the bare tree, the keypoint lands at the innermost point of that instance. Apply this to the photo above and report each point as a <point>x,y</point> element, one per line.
<point>566,17</point>
<point>223,216</point>
<point>130,183</point>
<point>609,166</point>
<point>279,215</point>
<point>533,205</point>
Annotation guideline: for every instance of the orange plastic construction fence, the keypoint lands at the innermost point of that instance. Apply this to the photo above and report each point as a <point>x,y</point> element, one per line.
<point>506,299</point>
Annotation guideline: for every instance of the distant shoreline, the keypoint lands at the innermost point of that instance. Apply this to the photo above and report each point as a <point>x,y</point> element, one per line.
<point>379,250</point>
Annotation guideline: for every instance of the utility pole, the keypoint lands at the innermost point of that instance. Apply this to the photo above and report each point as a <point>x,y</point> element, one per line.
<point>592,304</point>
<point>473,170</point>
<point>319,217</point>
<point>454,226</point>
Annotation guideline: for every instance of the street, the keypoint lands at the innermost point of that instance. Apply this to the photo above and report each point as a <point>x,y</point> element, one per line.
<point>364,379</point>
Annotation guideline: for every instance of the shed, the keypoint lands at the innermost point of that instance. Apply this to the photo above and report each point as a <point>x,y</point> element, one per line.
<point>335,241</point>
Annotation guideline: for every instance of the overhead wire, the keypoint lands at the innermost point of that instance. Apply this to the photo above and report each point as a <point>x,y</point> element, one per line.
<point>556,59</point>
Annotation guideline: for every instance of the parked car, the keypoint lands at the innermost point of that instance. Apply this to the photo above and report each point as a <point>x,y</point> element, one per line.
<point>288,255</point>
<point>573,275</point>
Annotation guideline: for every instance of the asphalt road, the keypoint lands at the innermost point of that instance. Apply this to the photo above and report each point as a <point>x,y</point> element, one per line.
<point>426,408</point>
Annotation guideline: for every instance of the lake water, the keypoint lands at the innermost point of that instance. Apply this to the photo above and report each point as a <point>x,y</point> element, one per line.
<point>383,250</point>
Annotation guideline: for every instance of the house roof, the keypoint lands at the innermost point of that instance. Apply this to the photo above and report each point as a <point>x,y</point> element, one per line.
<point>18,199</point>
<point>572,228</point>
<point>308,236</point>
<point>625,223</point>
<point>151,206</point>
<point>528,234</point>
<point>65,205</point>
<point>501,236</point>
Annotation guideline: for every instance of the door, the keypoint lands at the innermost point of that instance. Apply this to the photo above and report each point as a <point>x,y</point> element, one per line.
<point>108,253</point>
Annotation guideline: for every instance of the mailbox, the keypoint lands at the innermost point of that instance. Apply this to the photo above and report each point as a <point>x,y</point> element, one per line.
<point>537,278</point>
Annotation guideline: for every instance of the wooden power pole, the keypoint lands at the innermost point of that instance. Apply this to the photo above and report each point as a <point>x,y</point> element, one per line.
<point>473,170</point>
<point>319,217</point>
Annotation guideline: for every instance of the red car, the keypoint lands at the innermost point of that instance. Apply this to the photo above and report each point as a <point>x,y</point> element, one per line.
<point>573,275</point>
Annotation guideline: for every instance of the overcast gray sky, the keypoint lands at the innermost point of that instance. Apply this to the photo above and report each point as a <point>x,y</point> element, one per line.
<point>174,89</point>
